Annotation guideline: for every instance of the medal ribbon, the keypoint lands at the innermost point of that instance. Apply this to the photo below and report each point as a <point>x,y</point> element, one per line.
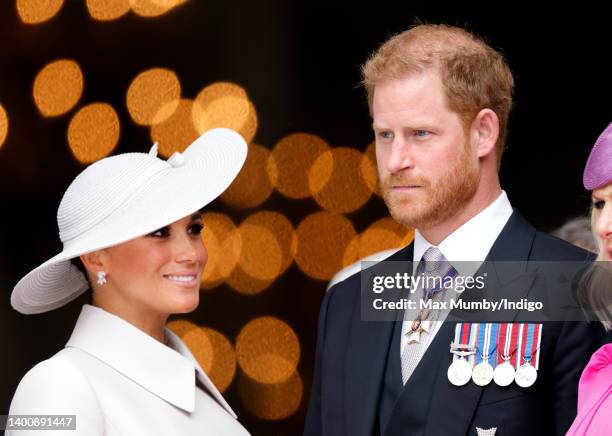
<point>531,338</point>
<point>462,337</point>
<point>491,342</point>
<point>507,341</point>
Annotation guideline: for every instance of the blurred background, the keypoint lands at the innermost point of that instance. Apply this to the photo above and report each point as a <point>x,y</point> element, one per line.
<point>83,79</point>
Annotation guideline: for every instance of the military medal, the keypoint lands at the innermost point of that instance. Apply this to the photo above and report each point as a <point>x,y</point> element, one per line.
<point>418,326</point>
<point>487,337</point>
<point>526,375</point>
<point>504,373</point>
<point>531,335</point>
<point>460,370</point>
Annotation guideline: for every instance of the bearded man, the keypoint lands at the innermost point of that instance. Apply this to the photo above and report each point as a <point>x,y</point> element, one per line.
<point>440,100</point>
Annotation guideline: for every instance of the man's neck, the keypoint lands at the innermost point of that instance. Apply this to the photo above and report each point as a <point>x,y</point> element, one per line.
<point>479,202</point>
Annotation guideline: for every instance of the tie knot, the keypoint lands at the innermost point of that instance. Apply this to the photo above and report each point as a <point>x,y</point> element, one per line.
<point>433,254</point>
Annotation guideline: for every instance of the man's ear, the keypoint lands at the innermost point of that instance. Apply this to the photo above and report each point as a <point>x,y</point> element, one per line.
<point>484,132</point>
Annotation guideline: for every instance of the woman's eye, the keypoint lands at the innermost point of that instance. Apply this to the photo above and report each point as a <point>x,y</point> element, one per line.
<point>599,204</point>
<point>164,232</point>
<point>196,229</point>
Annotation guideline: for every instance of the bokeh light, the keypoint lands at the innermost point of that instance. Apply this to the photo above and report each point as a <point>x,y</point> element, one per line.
<point>177,132</point>
<point>93,132</point>
<point>223,244</point>
<point>154,8</point>
<point>322,240</point>
<point>271,401</point>
<point>368,169</point>
<point>345,190</point>
<point>225,104</point>
<point>38,11</point>
<point>4,125</point>
<point>58,87</point>
<point>268,350</point>
<point>212,350</point>
<point>256,179</point>
<point>153,96</point>
<point>107,10</point>
<point>384,234</point>
<point>268,244</point>
<point>294,155</point>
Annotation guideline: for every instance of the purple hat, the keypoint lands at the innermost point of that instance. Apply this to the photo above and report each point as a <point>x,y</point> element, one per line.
<point>598,170</point>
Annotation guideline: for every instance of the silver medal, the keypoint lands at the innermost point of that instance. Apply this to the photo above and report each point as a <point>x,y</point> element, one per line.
<point>526,375</point>
<point>503,375</point>
<point>459,372</point>
<point>482,374</point>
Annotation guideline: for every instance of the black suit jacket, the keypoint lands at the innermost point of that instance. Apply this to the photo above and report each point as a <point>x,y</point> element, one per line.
<point>352,355</point>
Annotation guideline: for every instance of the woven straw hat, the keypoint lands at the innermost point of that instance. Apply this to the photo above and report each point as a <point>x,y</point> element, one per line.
<point>123,197</point>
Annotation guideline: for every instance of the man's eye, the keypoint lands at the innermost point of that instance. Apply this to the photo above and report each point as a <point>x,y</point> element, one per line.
<point>386,135</point>
<point>421,133</point>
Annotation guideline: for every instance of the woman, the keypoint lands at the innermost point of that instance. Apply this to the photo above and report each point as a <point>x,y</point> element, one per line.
<point>595,389</point>
<point>132,224</point>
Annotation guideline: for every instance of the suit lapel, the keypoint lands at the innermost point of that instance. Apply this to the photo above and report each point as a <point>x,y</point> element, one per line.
<point>457,404</point>
<point>365,364</point>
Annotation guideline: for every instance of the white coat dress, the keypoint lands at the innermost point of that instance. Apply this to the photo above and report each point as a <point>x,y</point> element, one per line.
<point>119,381</point>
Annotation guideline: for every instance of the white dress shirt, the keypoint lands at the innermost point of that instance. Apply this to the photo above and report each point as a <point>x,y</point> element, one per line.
<point>118,380</point>
<point>470,242</point>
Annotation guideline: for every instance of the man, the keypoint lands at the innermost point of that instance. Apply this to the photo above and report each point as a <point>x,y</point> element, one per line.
<point>440,100</point>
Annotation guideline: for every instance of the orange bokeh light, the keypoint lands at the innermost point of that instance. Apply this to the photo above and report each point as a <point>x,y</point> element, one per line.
<point>153,96</point>
<point>384,234</point>
<point>4,125</point>
<point>253,185</point>
<point>58,86</point>
<point>107,10</point>
<point>268,244</point>
<point>225,104</point>
<point>344,190</point>
<point>368,169</point>
<point>38,11</point>
<point>93,132</point>
<point>154,8</point>
<point>322,240</point>
<point>271,401</point>
<point>223,244</point>
<point>212,350</point>
<point>268,350</point>
<point>177,132</point>
<point>294,156</point>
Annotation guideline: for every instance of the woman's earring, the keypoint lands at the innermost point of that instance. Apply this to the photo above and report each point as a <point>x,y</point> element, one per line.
<point>101,278</point>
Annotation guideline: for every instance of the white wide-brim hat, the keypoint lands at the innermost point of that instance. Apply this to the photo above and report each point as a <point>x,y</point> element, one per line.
<point>123,197</point>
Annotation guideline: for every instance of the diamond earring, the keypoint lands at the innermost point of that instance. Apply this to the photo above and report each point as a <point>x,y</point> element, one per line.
<point>101,278</point>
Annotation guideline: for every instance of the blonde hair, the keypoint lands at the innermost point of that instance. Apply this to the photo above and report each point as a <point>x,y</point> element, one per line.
<point>596,284</point>
<point>474,75</point>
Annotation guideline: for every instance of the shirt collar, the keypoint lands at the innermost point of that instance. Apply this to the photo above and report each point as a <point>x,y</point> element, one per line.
<point>166,371</point>
<point>473,240</point>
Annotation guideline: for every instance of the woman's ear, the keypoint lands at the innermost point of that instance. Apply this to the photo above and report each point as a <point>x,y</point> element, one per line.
<point>93,262</point>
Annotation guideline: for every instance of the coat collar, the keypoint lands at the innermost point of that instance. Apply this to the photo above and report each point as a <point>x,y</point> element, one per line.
<point>166,371</point>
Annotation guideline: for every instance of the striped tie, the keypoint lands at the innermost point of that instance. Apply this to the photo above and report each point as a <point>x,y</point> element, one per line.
<point>433,264</point>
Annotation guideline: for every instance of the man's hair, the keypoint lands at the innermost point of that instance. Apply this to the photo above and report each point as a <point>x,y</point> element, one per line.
<point>474,75</point>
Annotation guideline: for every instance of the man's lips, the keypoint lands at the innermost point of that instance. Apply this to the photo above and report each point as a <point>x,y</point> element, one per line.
<point>405,188</point>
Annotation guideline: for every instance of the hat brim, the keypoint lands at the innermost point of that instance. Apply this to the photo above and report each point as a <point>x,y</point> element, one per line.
<point>209,166</point>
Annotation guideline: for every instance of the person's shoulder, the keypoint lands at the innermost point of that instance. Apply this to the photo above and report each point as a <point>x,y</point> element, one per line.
<point>352,283</point>
<point>57,386</point>
<point>549,247</point>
